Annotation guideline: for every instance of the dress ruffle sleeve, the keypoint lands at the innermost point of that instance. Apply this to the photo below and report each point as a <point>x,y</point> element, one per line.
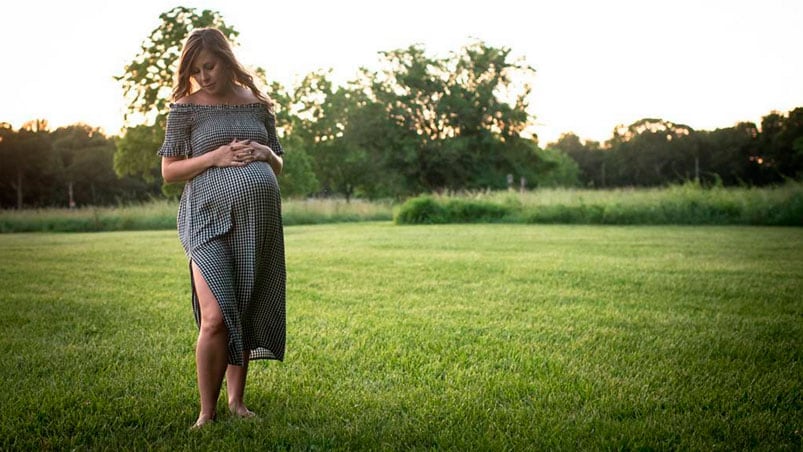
<point>273,140</point>
<point>177,133</point>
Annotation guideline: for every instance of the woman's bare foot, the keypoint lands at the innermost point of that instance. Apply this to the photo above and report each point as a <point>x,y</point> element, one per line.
<point>202,421</point>
<point>239,410</point>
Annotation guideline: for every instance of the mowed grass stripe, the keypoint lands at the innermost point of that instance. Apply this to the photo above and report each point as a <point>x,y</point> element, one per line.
<point>458,336</point>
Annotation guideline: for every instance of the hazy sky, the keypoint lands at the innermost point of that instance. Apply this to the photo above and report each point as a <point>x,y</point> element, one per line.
<point>599,63</point>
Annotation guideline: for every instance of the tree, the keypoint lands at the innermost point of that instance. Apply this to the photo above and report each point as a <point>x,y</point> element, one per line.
<point>418,124</point>
<point>790,160</point>
<point>9,170</point>
<point>147,83</point>
<point>453,118</point>
<point>26,164</point>
<point>85,172</point>
<point>652,152</point>
<point>367,136</point>
<point>488,114</point>
<point>136,152</point>
<point>776,158</point>
<point>327,125</point>
<point>728,152</point>
<point>79,159</point>
<point>556,169</point>
<point>148,79</point>
<point>588,155</point>
<point>297,178</point>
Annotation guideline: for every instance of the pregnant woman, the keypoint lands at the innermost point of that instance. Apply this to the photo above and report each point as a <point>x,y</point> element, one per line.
<point>221,139</point>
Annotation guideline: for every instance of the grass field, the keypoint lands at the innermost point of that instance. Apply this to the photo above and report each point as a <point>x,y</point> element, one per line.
<point>464,337</point>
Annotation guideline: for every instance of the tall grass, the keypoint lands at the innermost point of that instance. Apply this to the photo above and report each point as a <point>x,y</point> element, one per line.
<point>680,204</point>
<point>319,211</point>
<point>161,214</point>
<point>153,215</point>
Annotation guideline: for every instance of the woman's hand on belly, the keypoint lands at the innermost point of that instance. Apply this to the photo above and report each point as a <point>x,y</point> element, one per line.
<point>236,153</point>
<point>265,153</point>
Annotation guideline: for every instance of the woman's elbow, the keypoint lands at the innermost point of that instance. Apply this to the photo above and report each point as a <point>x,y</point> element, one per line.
<point>168,175</point>
<point>171,178</point>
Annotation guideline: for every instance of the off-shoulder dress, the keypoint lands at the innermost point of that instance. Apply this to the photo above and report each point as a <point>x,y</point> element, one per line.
<point>230,224</point>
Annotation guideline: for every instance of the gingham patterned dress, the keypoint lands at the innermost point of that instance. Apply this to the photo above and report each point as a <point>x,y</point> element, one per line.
<point>230,224</point>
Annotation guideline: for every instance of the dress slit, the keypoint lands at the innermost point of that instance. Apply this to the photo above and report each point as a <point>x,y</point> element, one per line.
<point>224,294</point>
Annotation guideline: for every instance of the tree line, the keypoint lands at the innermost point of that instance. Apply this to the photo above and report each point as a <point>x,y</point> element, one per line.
<point>68,166</point>
<point>653,152</point>
<point>416,124</point>
<point>78,165</point>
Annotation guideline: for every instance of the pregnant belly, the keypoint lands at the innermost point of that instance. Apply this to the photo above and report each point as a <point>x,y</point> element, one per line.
<point>236,183</point>
<point>220,199</point>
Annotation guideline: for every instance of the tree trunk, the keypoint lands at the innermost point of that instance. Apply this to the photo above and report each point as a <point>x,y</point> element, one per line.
<point>71,201</point>
<point>19,189</point>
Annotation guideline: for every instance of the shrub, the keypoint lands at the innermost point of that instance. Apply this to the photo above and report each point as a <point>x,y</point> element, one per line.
<point>421,210</point>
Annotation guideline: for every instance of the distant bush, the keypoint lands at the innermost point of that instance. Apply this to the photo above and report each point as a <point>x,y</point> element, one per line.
<point>422,210</point>
<point>430,210</point>
<point>679,204</point>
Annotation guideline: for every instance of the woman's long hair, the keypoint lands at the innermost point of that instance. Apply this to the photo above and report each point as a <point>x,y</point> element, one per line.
<point>212,40</point>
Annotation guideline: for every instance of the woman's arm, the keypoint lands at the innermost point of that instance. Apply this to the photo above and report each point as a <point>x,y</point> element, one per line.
<point>277,164</point>
<point>177,169</point>
<point>275,161</point>
<point>265,153</point>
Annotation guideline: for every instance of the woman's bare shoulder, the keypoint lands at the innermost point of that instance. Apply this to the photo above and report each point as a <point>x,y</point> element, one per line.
<point>186,99</point>
<point>246,96</point>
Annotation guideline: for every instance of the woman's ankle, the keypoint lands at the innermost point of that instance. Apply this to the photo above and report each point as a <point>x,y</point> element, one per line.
<point>239,409</point>
<point>207,415</point>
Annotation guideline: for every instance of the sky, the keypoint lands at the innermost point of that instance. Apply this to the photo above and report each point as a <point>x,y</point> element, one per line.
<point>704,63</point>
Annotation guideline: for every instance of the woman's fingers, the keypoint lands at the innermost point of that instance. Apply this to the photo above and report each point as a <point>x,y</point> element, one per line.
<point>243,152</point>
<point>244,156</point>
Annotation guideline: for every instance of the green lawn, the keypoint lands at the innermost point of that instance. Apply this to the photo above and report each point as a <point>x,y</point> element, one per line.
<point>467,337</point>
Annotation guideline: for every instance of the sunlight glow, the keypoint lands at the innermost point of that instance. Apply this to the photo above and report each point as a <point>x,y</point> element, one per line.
<point>578,85</point>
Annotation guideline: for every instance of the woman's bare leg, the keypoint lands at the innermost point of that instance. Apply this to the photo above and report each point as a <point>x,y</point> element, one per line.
<point>235,387</point>
<point>211,351</point>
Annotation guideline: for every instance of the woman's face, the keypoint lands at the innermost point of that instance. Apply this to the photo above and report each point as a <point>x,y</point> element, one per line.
<point>208,72</point>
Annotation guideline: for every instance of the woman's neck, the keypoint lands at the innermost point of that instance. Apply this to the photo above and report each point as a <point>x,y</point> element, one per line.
<point>230,96</point>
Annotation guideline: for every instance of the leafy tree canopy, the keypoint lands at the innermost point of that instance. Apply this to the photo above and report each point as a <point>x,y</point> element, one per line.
<point>147,80</point>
